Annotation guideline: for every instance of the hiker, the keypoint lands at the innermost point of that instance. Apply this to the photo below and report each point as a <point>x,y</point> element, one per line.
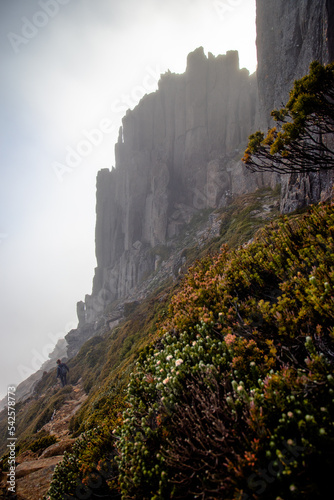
<point>62,372</point>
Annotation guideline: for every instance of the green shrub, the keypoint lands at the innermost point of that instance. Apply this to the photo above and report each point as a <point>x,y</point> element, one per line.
<point>231,394</point>
<point>236,399</point>
<point>88,470</point>
<point>42,443</point>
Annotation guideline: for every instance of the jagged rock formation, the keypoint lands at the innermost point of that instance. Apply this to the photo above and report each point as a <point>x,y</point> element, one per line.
<point>290,35</point>
<point>178,152</point>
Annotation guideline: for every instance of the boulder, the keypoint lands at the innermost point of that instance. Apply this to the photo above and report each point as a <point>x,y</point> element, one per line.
<point>30,466</point>
<point>35,485</point>
<point>57,449</point>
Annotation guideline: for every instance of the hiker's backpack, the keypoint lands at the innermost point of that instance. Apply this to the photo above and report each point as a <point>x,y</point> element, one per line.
<point>63,369</point>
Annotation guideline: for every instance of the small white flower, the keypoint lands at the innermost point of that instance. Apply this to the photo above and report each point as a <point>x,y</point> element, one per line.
<point>158,362</point>
<point>166,380</point>
<point>178,362</point>
<point>169,357</point>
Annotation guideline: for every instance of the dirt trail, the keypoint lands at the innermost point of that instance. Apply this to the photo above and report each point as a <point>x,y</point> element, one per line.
<point>34,473</point>
<point>58,426</point>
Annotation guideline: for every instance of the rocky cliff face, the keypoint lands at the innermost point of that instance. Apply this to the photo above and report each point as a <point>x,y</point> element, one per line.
<point>178,152</point>
<point>290,35</point>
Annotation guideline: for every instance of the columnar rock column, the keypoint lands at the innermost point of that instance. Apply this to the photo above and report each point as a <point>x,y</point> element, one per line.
<point>290,35</point>
<point>178,151</point>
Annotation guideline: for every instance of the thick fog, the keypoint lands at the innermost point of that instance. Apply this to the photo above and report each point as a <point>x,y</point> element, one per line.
<point>69,71</point>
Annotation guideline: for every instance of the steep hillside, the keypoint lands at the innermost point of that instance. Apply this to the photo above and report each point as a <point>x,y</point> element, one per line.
<point>111,347</point>
<point>232,396</point>
<point>236,357</point>
<point>38,457</point>
<point>204,354</point>
<point>179,153</point>
<point>105,362</point>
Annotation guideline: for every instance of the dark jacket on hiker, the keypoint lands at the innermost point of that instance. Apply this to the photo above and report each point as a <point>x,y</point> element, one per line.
<point>62,372</point>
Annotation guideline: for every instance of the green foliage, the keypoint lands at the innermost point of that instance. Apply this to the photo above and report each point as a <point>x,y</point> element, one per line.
<point>240,219</point>
<point>42,443</point>
<point>93,459</point>
<point>89,361</point>
<point>162,251</point>
<point>130,307</point>
<point>220,387</point>
<point>89,469</point>
<point>118,354</point>
<point>105,361</point>
<point>236,398</point>
<point>301,141</point>
<point>35,445</point>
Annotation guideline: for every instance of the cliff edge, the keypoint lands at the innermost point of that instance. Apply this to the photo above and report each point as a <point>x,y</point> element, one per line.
<point>290,35</point>
<point>179,150</point>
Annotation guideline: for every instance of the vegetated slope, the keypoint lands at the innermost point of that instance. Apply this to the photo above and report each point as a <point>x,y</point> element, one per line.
<point>35,465</point>
<point>107,359</point>
<point>33,414</point>
<point>234,398</point>
<point>105,362</point>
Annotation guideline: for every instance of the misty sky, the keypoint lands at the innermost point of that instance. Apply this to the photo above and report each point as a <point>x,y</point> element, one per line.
<point>68,68</point>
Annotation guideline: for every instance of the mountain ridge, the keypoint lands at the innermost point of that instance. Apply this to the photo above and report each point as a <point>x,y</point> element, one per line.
<point>125,259</point>
<point>131,254</point>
